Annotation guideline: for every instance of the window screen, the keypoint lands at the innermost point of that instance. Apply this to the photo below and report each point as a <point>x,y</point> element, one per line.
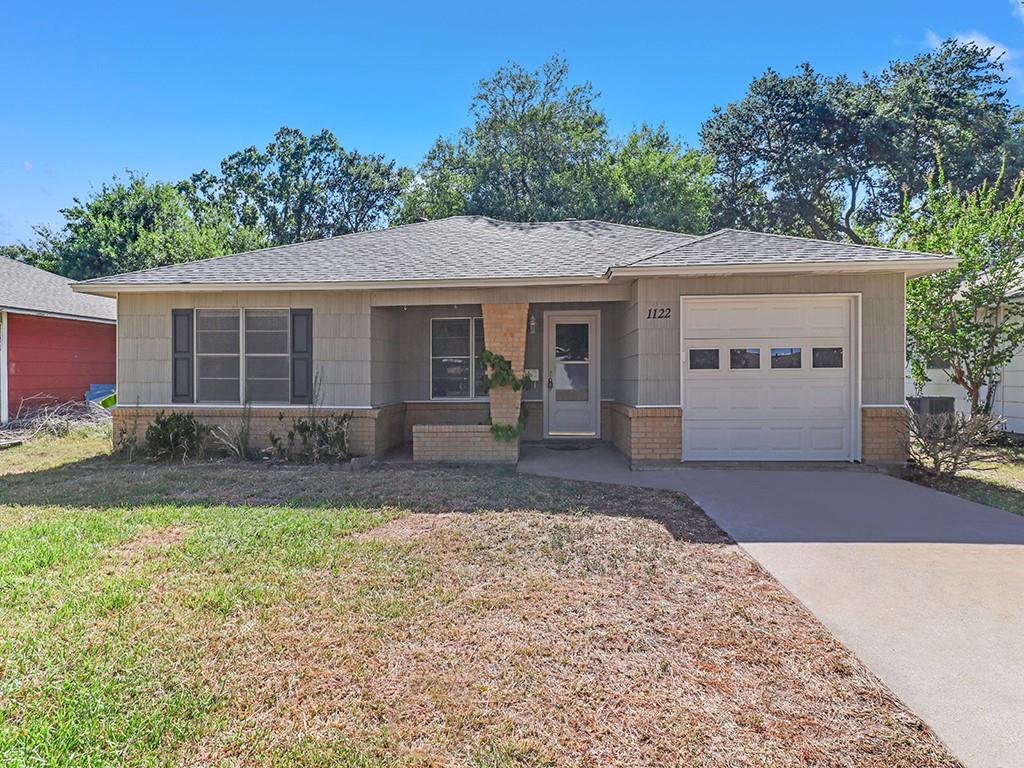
<point>266,355</point>
<point>218,365</point>
<point>455,347</point>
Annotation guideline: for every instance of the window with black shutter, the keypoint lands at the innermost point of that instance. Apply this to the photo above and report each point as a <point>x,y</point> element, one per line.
<point>302,356</point>
<point>181,356</point>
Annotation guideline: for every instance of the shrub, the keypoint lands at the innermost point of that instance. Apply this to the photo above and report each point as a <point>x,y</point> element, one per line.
<point>176,436</point>
<point>236,440</point>
<point>314,439</point>
<point>947,443</point>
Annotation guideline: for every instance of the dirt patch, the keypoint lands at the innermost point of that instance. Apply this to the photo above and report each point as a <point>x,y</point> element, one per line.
<point>539,639</point>
<point>148,545</point>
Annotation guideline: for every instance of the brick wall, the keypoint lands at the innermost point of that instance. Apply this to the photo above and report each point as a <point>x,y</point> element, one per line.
<point>462,443</point>
<point>363,429</point>
<point>884,435</point>
<point>647,434</point>
<point>505,332</point>
<point>439,412</point>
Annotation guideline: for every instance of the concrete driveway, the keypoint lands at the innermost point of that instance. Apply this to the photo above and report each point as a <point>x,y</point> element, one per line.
<point>926,588</point>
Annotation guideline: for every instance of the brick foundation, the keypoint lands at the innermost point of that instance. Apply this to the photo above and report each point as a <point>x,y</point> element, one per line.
<point>372,431</point>
<point>647,434</point>
<point>461,443</point>
<point>884,435</point>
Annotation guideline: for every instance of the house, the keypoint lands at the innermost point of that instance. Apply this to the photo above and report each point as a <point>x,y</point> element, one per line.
<point>53,342</point>
<point>731,346</point>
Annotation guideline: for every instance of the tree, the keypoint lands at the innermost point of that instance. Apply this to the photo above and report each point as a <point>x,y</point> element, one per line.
<point>830,157</point>
<point>660,183</point>
<point>538,149</point>
<point>131,224</point>
<point>968,319</point>
<point>303,187</point>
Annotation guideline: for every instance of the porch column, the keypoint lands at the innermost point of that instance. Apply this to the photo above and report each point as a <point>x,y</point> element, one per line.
<point>505,335</point>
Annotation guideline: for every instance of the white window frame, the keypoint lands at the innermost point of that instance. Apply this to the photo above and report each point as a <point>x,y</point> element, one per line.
<point>287,353</point>
<point>474,396</point>
<point>196,354</point>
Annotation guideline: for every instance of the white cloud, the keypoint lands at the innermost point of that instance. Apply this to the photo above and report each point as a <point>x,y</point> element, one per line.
<point>26,164</point>
<point>1017,9</point>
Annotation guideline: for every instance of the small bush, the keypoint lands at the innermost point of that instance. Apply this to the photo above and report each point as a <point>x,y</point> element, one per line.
<point>947,443</point>
<point>314,439</point>
<point>236,440</point>
<point>176,436</point>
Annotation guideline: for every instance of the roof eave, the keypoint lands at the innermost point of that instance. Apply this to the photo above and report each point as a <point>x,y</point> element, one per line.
<point>910,267</point>
<point>113,289</point>
<point>57,315</point>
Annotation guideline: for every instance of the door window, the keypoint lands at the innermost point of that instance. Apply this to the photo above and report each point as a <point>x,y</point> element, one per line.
<point>745,358</point>
<point>572,362</point>
<point>786,357</point>
<point>827,357</point>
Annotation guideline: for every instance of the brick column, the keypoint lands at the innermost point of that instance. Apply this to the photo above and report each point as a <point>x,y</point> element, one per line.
<point>505,335</point>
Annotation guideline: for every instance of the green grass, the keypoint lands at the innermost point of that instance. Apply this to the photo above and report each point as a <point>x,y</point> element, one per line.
<point>236,614</point>
<point>998,482</point>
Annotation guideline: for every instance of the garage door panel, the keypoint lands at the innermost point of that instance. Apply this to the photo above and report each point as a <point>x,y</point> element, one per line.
<point>766,413</point>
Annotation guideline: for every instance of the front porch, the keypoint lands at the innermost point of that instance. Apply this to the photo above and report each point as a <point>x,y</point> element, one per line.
<point>576,355</point>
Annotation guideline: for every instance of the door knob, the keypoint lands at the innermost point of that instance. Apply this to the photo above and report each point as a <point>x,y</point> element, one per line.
<point>551,384</point>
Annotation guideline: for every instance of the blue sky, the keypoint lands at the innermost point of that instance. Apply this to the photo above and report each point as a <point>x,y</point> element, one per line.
<point>92,89</point>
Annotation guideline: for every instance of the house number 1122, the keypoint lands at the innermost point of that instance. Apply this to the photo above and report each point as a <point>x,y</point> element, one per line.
<point>658,313</point>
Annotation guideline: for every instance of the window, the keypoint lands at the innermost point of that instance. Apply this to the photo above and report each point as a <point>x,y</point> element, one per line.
<point>786,357</point>
<point>266,355</point>
<point>241,355</point>
<point>745,358</point>
<point>217,355</point>
<point>703,359</point>
<point>455,367</point>
<point>827,357</point>
<point>572,362</point>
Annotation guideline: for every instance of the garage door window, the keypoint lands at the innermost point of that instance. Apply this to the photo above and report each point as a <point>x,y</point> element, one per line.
<point>786,357</point>
<point>827,357</point>
<point>703,359</point>
<point>745,358</point>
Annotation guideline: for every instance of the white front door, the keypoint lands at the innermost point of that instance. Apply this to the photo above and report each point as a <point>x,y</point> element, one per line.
<point>572,375</point>
<point>768,378</point>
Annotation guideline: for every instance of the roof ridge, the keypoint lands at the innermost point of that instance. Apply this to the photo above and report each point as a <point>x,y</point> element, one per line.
<point>843,243</point>
<point>694,241</point>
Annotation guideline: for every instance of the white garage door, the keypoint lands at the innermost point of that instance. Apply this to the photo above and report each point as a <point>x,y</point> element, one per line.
<point>767,379</point>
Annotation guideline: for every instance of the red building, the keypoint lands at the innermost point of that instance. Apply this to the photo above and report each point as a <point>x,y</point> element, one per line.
<point>54,343</point>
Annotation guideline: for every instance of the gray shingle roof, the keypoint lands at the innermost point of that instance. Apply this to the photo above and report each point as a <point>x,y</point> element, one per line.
<point>35,290</point>
<point>480,248</point>
<point>456,248</point>
<point>735,246</point>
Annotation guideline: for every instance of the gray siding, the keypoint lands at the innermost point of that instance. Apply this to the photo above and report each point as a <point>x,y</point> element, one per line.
<point>385,357</point>
<point>882,312</point>
<point>341,340</point>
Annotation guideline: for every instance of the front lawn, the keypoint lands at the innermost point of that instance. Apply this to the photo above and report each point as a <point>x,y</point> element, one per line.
<point>997,483</point>
<point>232,614</point>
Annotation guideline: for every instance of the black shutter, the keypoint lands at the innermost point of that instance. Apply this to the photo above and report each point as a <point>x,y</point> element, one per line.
<point>302,356</point>
<point>181,356</point>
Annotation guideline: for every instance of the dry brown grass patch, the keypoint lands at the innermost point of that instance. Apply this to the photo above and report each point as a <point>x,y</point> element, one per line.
<point>540,639</point>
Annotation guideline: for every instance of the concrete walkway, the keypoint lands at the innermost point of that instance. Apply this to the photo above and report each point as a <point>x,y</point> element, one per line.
<point>926,588</point>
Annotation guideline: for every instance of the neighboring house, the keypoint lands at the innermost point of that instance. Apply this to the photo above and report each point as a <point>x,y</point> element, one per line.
<point>730,346</point>
<point>53,341</point>
<point>1009,398</point>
